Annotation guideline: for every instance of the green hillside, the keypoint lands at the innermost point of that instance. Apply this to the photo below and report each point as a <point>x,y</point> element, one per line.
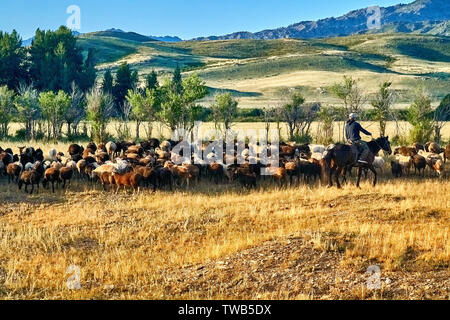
<point>259,70</point>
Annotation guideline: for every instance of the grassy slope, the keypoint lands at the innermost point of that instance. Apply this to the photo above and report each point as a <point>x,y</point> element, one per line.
<point>264,68</point>
<point>225,242</point>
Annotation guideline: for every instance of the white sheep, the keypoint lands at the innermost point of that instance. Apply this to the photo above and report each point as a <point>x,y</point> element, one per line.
<point>379,163</point>
<point>52,154</point>
<point>111,148</point>
<point>29,166</point>
<point>315,148</point>
<point>406,162</point>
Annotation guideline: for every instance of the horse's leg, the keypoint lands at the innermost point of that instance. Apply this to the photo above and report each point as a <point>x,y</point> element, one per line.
<point>338,173</point>
<point>374,173</point>
<point>330,177</point>
<point>360,169</point>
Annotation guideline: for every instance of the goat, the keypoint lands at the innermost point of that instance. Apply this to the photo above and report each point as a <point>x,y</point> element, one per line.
<point>13,171</point>
<point>51,175</point>
<point>396,169</point>
<point>130,179</point>
<point>406,162</point>
<point>420,164</point>
<point>447,153</point>
<point>65,174</point>
<point>29,178</point>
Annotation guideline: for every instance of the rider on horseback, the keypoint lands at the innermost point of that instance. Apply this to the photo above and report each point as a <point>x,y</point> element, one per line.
<point>352,133</point>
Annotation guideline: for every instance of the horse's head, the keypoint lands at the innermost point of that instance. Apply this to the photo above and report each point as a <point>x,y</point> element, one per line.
<point>384,144</point>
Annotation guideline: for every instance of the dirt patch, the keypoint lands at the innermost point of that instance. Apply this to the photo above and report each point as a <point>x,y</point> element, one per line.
<point>293,268</point>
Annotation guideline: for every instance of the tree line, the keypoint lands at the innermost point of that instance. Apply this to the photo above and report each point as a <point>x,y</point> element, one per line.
<point>51,85</point>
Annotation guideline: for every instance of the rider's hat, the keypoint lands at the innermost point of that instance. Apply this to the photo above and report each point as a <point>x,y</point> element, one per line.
<point>352,116</point>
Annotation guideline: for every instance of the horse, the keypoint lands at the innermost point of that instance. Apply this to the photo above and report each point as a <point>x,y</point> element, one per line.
<point>341,157</point>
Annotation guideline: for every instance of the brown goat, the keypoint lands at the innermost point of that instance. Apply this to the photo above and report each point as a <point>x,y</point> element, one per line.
<point>447,153</point>
<point>65,174</point>
<point>13,171</point>
<point>29,178</point>
<point>420,164</point>
<point>406,151</point>
<point>51,175</point>
<point>130,179</point>
<point>215,171</point>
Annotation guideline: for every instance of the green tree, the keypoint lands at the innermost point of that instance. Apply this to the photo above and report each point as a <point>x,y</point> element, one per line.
<point>420,116</point>
<point>325,132</point>
<point>53,108</point>
<point>27,105</point>
<point>440,118</point>
<point>224,110</point>
<point>382,103</point>
<point>76,111</point>
<point>89,73</point>
<point>100,107</point>
<point>107,83</point>
<point>56,60</point>
<point>143,108</point>
<point>12,56</point>
<point>177,82</point>
<point>352,97</point>
<point>125,80</point>
<point>151,81</point>
<point>7,110</point>
<point>178,107</point>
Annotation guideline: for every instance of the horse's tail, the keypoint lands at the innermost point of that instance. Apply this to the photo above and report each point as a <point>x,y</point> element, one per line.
<point>326,167</point>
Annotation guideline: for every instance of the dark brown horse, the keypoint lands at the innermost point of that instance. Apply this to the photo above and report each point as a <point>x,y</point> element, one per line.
<point>341,157</point>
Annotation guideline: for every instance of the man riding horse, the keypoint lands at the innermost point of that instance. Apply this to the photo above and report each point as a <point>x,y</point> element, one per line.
<point>352,134</point>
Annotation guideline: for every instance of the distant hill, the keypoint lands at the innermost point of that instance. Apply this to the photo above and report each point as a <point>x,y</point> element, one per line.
<point>421,16</point>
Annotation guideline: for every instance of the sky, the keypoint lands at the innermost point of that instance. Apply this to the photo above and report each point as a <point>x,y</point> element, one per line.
<point>184,18</point>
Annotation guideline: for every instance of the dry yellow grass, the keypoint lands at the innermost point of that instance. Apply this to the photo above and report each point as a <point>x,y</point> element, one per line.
<point>153,245</point>
<point>161,131</point>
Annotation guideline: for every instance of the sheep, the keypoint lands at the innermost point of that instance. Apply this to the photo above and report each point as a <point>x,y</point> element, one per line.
<point>378,163</point>
<point>29,178</point>
<point>72,165</point>
<point>111,148</point>
<point>405,151</point>
<point>406,162</point>
<point>215,171</point>
<point>13,171</point>
<point>396,169</point>
<point>28,166</point>
<point>166,146</point>
<point>130,179</point>
<point>75,149</point>
<point>420,164</point>
<point>57,165</point>
<point>52,154</point>
<point>278,174</point>
<point>435,162</point>
<point>105,179</point>
<point>291,170</point>
<point>148,175</point>
<point>317,149</point>
<point>65,174</point>
<point>447,153</point>
<point>51,175</point>
<point>434,148</point>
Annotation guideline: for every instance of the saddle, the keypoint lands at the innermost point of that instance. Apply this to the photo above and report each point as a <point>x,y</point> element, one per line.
<point>355,148</point>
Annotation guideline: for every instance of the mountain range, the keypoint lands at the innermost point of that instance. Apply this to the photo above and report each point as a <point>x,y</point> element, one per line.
<point>421,16</point>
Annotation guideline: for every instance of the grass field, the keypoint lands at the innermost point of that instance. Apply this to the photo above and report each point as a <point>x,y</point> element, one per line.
<point>223,242</point>
<point>161,132</point>
<point>261,69</point>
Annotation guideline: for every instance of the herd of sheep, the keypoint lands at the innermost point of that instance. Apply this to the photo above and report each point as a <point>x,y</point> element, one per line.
<point>154,164</point>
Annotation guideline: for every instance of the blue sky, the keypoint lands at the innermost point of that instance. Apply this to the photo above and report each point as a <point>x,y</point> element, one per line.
<point>184,18</point>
